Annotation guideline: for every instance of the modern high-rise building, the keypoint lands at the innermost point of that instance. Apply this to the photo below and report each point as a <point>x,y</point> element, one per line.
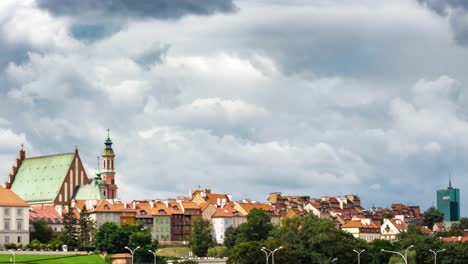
<point>448,201</point>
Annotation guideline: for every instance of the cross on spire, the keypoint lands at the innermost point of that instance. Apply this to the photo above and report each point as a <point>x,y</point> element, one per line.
<point>22,146</point>
<point>108,133</point>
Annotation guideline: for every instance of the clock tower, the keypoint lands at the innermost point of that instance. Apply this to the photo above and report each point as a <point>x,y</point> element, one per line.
<point>108,172</point>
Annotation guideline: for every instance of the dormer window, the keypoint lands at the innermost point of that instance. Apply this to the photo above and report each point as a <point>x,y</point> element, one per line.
<point>162,211</point>
<point>106,207</point>
<point>175,208</point>
<point>142,212</point>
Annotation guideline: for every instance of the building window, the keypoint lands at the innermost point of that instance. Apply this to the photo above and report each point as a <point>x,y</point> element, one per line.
<point>6,225</point>
<point>7,239</point>
<point>7,211</point>
<point>19,225</point>
<point>18,240</point>
<point>19,213</point>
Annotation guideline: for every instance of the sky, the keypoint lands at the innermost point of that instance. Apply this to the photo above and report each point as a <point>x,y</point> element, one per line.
<point>247,97</point>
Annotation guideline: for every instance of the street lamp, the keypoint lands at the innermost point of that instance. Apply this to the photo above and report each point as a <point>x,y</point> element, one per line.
<point>406,251</point>
<point>359,255</point>
<point>132,251</point>
<point>435,254</point>
<point>14,257</point>
<point>394,252</point>
<point>154,255</point>
<point>268,252</point>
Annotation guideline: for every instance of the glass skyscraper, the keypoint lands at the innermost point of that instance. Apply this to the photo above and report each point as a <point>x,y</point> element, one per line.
<point>448,201</point>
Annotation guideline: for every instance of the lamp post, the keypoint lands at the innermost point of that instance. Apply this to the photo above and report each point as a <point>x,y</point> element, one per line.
<point>435,254</point>
<point>132,251</point>
<point>14,257</point>
<point>406,251</point>
<point>359,255</point>
<point>154,255</point>
<point>395,252</point>
<point>268,252</point>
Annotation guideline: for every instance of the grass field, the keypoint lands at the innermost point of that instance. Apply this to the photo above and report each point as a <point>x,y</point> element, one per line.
<point>178,252</point>
<point>52,259</point>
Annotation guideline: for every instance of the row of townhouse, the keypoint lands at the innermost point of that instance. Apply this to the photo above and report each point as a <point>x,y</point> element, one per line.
<point>172,220</point>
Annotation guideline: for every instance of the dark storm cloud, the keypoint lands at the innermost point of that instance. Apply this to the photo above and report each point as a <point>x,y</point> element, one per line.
<point>457,12</point>
<point>158,9</point>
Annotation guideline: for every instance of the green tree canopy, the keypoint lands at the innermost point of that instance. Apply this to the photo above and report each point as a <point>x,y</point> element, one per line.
<point>108,238</point>
<point>70,235</point>
<point>257,227</point>
<point>431,216</point>
<point>42,231</point>
<point>230,237</point>
<point>201,238</point>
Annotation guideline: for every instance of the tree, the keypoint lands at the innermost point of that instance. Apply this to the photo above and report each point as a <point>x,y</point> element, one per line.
<point>431,216</point>
<point>247,253</point>
<point>70,230</point>
<point>257,227</point>
<point>201,238</point>
<point>42,231</point>
<point>108,238</point>
<point>87,229</point>
<point>230,236</point>
<point>142,238</point>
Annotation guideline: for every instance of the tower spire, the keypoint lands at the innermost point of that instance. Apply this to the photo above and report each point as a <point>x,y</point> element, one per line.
<point>450,181</point>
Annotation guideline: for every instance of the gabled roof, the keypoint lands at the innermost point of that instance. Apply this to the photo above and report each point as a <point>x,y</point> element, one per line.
<point>105,206</point>
<point>226,211</point>
<point>247,207</point>
<point>47,213</point>
<point>39,179</point>
<point>360,224</point>
<point>189,205</point>
<point>10,199</point>
<point>213,198</point>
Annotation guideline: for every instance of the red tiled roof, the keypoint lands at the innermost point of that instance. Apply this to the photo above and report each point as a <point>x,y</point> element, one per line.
<point>48,213</point>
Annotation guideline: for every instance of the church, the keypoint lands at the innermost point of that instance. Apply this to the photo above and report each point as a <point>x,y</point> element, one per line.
<point>58,179</point>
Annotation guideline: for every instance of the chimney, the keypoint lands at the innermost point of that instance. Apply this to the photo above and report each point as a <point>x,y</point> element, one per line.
<point>218,201</point>
<point>166,203</point>
<point>134,205</point>
<point>229,197</point>
<point>151,204</point>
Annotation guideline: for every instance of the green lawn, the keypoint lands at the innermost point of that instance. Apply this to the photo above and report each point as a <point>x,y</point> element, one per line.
<point>178,252</point>
<point>52,259</point>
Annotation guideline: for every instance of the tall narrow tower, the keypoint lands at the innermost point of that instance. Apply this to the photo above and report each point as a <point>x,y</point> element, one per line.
<point>108,172</point>
<point>448,201</point>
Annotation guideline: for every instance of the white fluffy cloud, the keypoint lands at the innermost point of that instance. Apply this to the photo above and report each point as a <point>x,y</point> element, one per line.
<point>320,98</point>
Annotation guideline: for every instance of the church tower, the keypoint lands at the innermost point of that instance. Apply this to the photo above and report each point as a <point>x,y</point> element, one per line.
<point>108,172</point>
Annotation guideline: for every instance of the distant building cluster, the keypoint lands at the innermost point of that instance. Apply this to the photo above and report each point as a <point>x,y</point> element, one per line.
<point>47,187</point>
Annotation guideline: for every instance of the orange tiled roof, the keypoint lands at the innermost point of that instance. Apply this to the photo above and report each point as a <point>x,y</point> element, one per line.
<point>359,224</point>
<point>213,197</point>
<point>10,199</point>
<point>106,206</point>
<point>265,207</point>
<point>47,213</point>
<point>226,211</point>
<point>455,239</point>
<point>190,205</point>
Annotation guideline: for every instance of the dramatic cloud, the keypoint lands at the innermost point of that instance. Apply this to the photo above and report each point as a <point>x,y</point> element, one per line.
<point>303,97</point>
<point>97,19</point>
<point>457,12</point>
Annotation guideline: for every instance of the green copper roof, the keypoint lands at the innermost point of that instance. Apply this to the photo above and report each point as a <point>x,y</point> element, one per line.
<point>91,191</point>
<point>39,179</point>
